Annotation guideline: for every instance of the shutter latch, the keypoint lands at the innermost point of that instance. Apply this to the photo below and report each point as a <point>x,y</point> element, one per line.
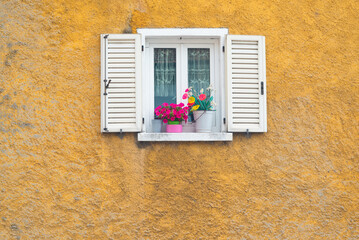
<point>106,85</point>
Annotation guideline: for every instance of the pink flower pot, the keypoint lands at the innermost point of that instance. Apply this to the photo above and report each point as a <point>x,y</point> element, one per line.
<point>170,128</point>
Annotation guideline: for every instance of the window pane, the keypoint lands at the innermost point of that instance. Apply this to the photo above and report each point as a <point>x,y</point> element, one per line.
<point>165,75</point>
<point>198,68</point>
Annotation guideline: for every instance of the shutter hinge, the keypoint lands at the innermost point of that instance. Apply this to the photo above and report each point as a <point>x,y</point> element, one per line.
<point>106,36</point>
<point>223,48</point>
<point>248,134</point>
<point>104,93</point>
<point>120,134</point>
<point>262,88</point>
<point>105,129</point>
<point>143,48</point>
<point>143,120</point>
<point>224,120</point>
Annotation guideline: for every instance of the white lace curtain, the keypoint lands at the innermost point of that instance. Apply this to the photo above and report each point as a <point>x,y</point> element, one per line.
<point>165,75</point>
<point>198,68</point>
<point>165,72</point>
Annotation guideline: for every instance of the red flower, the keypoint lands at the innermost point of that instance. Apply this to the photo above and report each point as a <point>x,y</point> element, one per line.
<point>202,97</point>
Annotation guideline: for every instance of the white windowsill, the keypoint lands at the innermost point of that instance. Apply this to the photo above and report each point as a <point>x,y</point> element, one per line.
<point>185,137</point>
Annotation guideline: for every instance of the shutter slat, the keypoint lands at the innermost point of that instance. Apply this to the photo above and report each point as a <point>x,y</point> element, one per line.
<point>121,63</point>
<point>242,85</point>
<point>122,75</point>
<point>122,104</point>
<point>245,61</point>
<point>121,56</point>
<point>121,46</point>
<point>126,65</point>
<point>121,51</point>
<point>245,72</point>
<point>244,56</point>
<point>244,80</point>
<point>119,110</point>
<point>245,51</point>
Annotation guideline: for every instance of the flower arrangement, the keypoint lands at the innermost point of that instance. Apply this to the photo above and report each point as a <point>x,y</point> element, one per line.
<point>172,112</point>
<point>202,101</point>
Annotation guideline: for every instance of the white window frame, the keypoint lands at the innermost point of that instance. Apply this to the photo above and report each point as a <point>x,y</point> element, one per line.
<point>181,74</point>
<point>186,37</point>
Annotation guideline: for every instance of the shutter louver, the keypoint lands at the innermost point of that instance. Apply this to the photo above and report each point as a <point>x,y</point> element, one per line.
<point>121,83</point>
<point>246,83</point>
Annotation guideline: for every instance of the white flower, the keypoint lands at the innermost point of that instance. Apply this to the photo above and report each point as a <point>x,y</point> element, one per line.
<point>213,103</point>
<point>201,91</point>
<point>210,88</point>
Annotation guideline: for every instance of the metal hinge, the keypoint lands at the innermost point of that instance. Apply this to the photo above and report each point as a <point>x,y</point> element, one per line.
<point>120,134</point>
<point>143,48</point>
<point>248,134</point>
<point>224,120</point>
<point>105,129</point>
<point>106,36</point>
<point>223,48</point>
<point>143,120</point>
<point>262,88</point>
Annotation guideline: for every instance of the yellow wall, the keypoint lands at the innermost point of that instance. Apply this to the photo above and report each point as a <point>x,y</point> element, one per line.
<point>60,178</point>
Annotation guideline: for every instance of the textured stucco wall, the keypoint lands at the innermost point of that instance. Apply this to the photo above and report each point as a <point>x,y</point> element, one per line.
<point>61,179</point>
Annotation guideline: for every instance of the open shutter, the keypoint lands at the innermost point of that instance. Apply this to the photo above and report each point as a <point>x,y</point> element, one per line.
<point>246,83</point>
<point>121,83</point>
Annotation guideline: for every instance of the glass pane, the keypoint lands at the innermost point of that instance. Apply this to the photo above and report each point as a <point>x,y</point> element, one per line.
<point>198,68</point>
<point>165,75</point>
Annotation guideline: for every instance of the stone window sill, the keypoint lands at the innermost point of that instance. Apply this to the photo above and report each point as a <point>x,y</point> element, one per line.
<point>184,137</point>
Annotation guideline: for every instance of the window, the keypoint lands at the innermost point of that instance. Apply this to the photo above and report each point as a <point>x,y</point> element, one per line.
<point>141,71</point>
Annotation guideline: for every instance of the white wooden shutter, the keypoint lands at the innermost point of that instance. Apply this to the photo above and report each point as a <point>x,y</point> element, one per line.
<point>246,83</point>
<point>121,83</point>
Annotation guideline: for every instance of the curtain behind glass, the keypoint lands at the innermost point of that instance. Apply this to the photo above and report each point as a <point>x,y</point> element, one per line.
<point>165,75</point>
<point>198,68</point>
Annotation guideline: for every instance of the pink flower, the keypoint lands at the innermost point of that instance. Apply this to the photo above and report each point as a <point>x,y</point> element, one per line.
<point>157,113</point>
<point>172,105</point>
<point>181,111</point>
<point>187,90</point>
<point>202,97</point>
<point>185,96</point>
<point>181,105</point>
<point>165,104</point>
<point>165,120</point>
<point>190,104</point>
<point>172,118</point>
<point>185,117</point>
